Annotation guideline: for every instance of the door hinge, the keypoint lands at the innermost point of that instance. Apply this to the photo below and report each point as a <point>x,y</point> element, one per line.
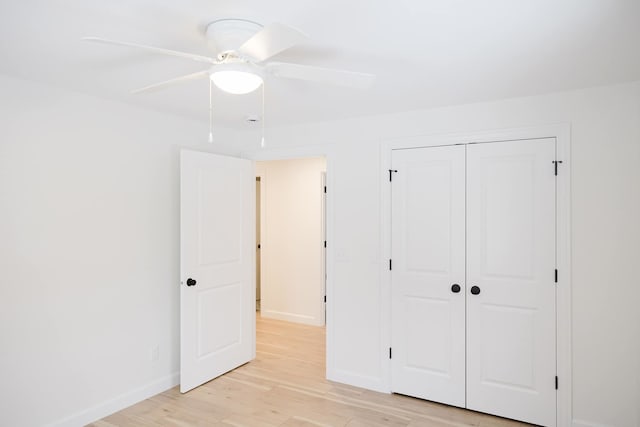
<point>325,243</point>
<point>389,352</point>
<point>556,382</point>
<point>555,164</point>
<point>556,276</point>
<point>325,299</point>
<point>389,264</point>
<point>325,189</point>
<point>391,172</point>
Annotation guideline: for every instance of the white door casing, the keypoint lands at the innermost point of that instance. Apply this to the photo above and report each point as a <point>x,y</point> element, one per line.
<point>511,258</point>
<point>258,245</point>
<point>324,249</point>
<point>428,247</point>
<point>217,237</point>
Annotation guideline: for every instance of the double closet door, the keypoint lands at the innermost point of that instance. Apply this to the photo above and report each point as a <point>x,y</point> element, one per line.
<point>473,289</point>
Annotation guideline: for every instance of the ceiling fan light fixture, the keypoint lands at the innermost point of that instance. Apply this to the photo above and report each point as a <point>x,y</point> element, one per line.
<point>236,81</point>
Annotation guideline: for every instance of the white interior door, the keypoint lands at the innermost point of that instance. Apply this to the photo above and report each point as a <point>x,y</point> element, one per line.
<point>217,292</point>
<point>511,329</point>
<point>428,274</point>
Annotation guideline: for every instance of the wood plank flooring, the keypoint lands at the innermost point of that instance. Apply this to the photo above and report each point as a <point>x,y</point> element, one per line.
<point>285,386</point>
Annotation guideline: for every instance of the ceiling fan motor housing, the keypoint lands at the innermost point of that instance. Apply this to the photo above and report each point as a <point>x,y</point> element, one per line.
<point>226,35</point>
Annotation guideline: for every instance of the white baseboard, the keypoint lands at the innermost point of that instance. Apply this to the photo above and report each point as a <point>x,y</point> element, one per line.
<point>290,317</point>
<point>356,380</point>
<point>119,402</point>
<point>583,423</point>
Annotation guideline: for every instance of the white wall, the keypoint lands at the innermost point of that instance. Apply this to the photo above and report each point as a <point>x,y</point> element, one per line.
<point>605,203</point>
<point>89,255</point>
<point>89,245</point>
<point>292,240</point>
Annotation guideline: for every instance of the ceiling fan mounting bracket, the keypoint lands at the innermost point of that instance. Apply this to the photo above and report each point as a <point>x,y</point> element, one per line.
<point>227,35</point>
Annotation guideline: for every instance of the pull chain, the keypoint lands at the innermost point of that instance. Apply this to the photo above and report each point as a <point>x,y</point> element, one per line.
<point>210,113</point>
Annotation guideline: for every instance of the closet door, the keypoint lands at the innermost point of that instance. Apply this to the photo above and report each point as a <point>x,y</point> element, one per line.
<point>428,292</point>
<point>511,327</point>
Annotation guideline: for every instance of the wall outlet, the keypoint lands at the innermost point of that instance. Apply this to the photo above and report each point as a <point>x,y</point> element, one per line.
<point>154,353</point>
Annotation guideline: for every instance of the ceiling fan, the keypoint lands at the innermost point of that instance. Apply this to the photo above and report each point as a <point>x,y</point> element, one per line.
<point>244,48</point>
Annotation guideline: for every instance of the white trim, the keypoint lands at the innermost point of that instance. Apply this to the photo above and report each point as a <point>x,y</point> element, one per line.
<point>284,153</point>
<point>583,423</point>
<point>323,249</point>
<point>562,133</point>
<point>496,135</point>
<point>362,381</point>
<point>119,403</point>
<point>262,229</point>
<point>291,317</point>
<point>563,294</point>
<point>385,273</point>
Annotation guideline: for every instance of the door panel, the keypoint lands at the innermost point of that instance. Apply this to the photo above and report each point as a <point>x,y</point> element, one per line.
<point>216,306</point>
<point>428,258</point>
<point>511,258</point>
<point>432,356</point>
<point>219,223</point>
<point>217,227</point>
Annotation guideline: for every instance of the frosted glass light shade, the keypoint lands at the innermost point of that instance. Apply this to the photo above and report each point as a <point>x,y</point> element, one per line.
<point>235,81</point>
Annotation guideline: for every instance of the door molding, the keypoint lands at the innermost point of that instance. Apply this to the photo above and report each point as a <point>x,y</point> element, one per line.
<point>562,133</point>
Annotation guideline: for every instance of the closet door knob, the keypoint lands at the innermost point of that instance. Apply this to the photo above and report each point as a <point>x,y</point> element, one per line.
<point>455,288</point>
<point>191,282</point>
<point>475,290</point>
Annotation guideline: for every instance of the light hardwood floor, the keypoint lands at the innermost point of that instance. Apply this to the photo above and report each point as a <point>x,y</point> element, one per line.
<point>285,386</point>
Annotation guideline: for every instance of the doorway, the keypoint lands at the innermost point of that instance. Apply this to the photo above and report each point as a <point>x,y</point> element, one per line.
<point>217,232</point>
<point>290,240</point>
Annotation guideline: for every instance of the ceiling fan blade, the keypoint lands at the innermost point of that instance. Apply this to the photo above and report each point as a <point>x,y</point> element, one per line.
<point>323,75</point>
<point>161,85</point>
<point>271,40</point>
<point>159,50</point>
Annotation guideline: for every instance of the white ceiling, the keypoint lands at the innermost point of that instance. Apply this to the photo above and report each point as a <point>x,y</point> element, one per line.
<point>425,53</point>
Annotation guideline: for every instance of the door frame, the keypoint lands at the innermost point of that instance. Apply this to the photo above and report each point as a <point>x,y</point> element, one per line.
<point>260,218</point>
<point>324,238</point>
<point>300,152</point>
<point>562,134</point>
